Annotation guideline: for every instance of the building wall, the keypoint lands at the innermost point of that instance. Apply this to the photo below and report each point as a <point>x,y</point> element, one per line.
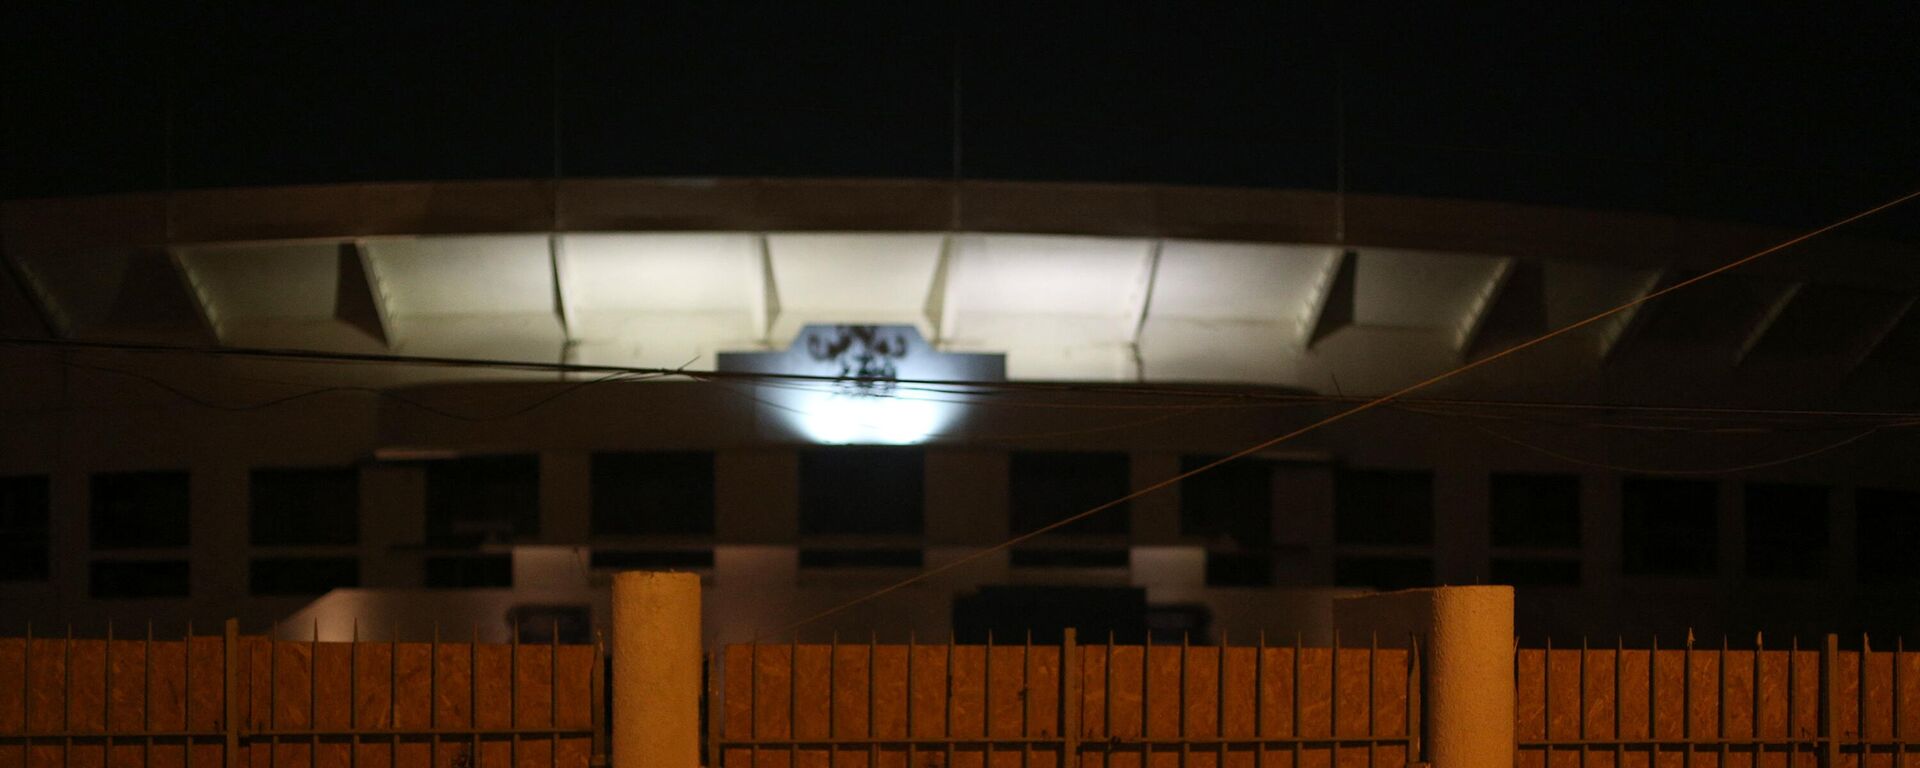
<point>94,422</point>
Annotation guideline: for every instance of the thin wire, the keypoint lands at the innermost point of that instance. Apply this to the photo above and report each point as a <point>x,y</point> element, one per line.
<point>1358,409</point>
<point>981,388</point>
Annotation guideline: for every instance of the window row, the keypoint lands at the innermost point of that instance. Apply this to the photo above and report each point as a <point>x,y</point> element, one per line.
<point>1383,521</point>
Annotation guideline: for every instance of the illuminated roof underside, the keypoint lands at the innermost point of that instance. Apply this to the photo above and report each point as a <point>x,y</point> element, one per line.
<point>1059,307</point>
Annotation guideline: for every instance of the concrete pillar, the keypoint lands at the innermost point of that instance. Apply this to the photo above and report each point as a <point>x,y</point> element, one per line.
<point>1467,643</point>
<point>656,670</point>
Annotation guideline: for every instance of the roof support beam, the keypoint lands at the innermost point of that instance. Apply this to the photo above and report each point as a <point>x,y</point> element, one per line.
<point>1879,337</point>
<point>939,310</point>
<point>1330,306</point>
<point>1765,323</point>
<point>202,303</point>
<point>562,309</point>
<point>37,299</point>
<point>1150,274</point>
<point>361,299</point>
<point>1628,323</point>
<point>767,311</point>
<point>1467,332</point>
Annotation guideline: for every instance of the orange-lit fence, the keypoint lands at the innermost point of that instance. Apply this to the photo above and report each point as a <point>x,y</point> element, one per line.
<point>230,700</point>
<point>1025,705</point>
<point>1716,707</point>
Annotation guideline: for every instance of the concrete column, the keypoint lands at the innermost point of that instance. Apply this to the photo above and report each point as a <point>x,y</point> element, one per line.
<point>1467,637</point>
<point>656,670</point>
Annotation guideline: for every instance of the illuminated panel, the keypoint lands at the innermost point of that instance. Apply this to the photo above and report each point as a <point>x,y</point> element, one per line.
<point>1229,311</point>
<point>1059,307</point>
<point>663,300</point>
<point>485,297</point>
<point>851,278</point>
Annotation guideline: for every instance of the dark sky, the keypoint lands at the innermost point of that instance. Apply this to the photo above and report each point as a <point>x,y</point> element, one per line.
<point>1790,117</point>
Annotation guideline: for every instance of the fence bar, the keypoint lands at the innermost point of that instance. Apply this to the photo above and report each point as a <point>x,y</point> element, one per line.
<point>912,646</point>
<point>146,698</point>
<point>1295,693</point>
<point>986,703</point>
<point>1259,699</point>
<point>26,697</point>
<point>106,694</point>
<point>1373,669</point>
<point>1793,682</point>
<point>1026,699</point>
<point>1583,700</point>
<point>553,692</point>
<point>714,712</point>
<point>1546,690</point>
<point>793,698</point>
<point>1860,695</point>
<point>1220,699</point>
<point>1620,702</point>
<point>433,695</point>
<point>833,703</point>
<point>313,695</point>
<point>1653,697</point>
<point>873,683</point>
<point>1333,698</point>
<point>1180,696</point>
<point>1720,697</point>
<point>1686,697</point>
<point>947,710</point>
<point>1069,698</point>
<point>1899,726</point>
<point>231,722</point>
<point>1106,704</point>
<point>353,696</point>
<point>473,693</point>
<point>1830,701</point>
<point>1146,694</point>
<point>66,708</point>
<point>597,696</point>
<point>513,695</point>
<point>1416,693</point>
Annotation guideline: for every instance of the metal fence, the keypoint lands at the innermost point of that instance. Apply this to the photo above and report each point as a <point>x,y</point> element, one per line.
<point>1688,706</point>
<point>870,705</point>
<point>230,700</point>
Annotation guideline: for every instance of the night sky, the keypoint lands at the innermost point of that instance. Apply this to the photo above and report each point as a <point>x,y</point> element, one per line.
<point>1791,117</point>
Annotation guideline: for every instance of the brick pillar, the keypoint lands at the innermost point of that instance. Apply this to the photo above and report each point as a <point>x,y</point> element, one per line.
<point>1466,636</point>
<point>656,670</point>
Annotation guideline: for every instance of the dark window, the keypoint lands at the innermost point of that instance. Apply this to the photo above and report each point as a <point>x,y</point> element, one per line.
<point>644,560</point>
<point>24,514</point>
<point>138,578</point>
<point>469,571</point>
<point>667,493</point>
<point>137,510</point>
<point>1047,487</point>
<point>483,498</point>
<point>302,575</point>
<point>862,491</point>
<point>1239,569</point>
<point>1383,572</point>
<point>860,558</point>
<point>1383,507</point>
<point>305,506</point>
<point>1888,535</point>
<point>1786,531</point>
<point>1535,511</point>
<point>1669,527</point>
<point>1069,558</point>
<point>1536,572</point>
<point>1233,500</point>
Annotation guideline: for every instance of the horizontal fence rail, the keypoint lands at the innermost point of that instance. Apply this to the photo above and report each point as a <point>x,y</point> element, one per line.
<point>871,705</point>
<point>1690,706</point>
<point>229,700</point>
